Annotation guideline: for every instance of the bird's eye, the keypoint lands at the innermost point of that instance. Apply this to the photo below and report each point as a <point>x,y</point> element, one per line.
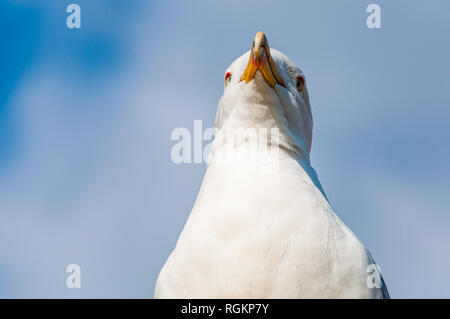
<point>300,83</point>
<point>227,77</point>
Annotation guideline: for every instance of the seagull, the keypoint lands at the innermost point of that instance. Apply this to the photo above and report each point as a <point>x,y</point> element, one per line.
<point>262,226</point>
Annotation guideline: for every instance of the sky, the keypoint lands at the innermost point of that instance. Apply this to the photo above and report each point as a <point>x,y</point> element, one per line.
<point>86,117</point>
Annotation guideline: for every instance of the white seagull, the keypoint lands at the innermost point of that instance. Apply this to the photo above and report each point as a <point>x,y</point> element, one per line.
<point>264,228</point>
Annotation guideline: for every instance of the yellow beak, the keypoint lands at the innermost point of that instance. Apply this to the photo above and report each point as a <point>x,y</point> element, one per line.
<point>261,59</point>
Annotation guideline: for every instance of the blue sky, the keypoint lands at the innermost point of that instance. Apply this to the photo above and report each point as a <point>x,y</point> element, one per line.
<point>86,117</point>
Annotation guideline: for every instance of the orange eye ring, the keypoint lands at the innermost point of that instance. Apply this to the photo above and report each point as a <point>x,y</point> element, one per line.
<point>227,77</point>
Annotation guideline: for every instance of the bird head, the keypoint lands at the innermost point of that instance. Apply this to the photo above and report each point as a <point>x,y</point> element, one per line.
<point>265,89</point>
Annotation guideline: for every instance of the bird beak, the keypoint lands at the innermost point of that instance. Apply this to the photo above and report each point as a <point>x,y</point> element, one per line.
<point>261,59</point>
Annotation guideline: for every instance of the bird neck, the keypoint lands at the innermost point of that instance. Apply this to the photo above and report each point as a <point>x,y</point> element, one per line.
<point>255,144</point>
<point>265,150</point>
<point>257,122</point>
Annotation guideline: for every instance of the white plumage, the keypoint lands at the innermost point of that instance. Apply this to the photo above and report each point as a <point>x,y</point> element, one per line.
<point>257,231</point>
